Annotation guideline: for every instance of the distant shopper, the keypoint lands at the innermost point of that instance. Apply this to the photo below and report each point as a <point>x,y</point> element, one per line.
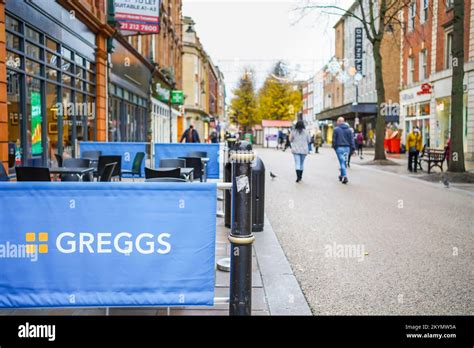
<point>190,135</point>
<point>299,139</point>
<point>350,152</point>
<point>214,137</point>
<point>414,146</point>
<point>343,144</point>
<point>360,143</point>
<point>318,140</point>
<point>281,139</point>
<point>287,141</point>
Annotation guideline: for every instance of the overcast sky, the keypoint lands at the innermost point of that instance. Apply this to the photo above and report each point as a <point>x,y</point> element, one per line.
<point>236,33</point>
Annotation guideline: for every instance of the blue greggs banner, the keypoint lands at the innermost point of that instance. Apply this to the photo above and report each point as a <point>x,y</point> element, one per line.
<point>107,244</point>
<point>124,149</point>
<point>174,150</point>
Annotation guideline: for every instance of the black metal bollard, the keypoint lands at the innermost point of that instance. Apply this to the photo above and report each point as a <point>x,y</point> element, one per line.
<point>241,236</point>
<point>228,178</point>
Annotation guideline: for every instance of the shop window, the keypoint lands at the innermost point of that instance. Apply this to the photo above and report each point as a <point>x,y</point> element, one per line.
<point>52,59</point>
<point>32,51</point>
<point>32,34</point>
<point>52,45</point>
<point>67,66</point>
<point>14,108</point>
<point>66,79</point>
<point>32,67</point>
<point>14,60</point>
<point>67,140</point>
<point>411,110</point>
<point>13,42</point>
<point>66,53</point>
<point>12,24</point>
<point>79,60</point>
<point>91,117</point>
<point>52,109</point>
<point>79,84</point>
<point>90,66</point>
<point>425,109</point>
<point>52,74</point>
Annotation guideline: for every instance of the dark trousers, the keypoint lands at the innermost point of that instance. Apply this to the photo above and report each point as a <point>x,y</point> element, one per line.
<point>413,157</point>
<point>359,149</point>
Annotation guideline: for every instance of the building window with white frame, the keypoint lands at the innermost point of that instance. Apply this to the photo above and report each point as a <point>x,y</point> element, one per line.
<point>423,64</point>
<point>411,15</point>
<point>448,48</point>
<point>410,70</point>
<point>424,11</point>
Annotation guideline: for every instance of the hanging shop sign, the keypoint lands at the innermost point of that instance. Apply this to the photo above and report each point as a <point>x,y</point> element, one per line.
<point>162,93</point>
<point>36,120</point>
<point>142,16</point>
<point>358,49</point>
<point>177,97</point>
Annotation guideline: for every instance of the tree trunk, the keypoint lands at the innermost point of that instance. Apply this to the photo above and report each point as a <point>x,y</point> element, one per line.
<point>456,162</point>
<point>380,120</point>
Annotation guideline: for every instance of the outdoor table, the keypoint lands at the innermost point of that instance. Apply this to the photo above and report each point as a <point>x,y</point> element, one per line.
<point>187,173</point>
<point>80,172</point>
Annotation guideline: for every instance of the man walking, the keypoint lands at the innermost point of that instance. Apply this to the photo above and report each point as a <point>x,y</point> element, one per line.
<point>414,146</point>
<point>190,135</point>
<point>343,143</point>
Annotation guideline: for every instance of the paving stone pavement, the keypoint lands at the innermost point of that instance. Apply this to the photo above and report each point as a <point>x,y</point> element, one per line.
<point>415,239</point>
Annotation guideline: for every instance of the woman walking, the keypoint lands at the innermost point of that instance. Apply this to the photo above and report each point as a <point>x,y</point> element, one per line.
<point>299,139</point>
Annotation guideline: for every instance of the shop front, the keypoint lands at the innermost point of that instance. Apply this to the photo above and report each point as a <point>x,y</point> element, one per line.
<point>162,114</point>
<point>129,83</point>
<point>442,105</point>
<point>360,116</point>
<point>51,81</point>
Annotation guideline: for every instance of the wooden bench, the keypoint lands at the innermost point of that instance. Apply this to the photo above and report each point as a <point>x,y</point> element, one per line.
<point>434,158</point>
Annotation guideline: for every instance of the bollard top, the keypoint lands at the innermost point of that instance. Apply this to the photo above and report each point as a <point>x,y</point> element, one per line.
<point>242,146</point>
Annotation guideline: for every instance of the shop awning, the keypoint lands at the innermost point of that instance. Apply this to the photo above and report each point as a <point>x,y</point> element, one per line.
<point>349,111</point>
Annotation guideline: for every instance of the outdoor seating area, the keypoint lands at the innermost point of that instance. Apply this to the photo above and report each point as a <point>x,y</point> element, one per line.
<point>190,168</point>
<point>113,164</point>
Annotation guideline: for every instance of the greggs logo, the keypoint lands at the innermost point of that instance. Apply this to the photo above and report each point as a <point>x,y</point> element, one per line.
<point>41,243</point>
<point>100,243</point>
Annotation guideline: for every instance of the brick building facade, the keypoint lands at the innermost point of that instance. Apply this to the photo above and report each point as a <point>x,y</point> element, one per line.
<point>426,72</point>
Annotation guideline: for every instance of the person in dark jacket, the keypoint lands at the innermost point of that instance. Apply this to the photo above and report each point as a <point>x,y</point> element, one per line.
<point>190,135</point>
<point>343,144</point>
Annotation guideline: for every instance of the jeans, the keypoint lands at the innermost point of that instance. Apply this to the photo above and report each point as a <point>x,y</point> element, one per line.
<point>299,161</point>
<point>412,160</point>
<point>342,155</point>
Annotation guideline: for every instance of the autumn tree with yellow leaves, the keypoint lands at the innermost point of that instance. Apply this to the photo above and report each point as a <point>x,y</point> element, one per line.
<point>243,107</point>
<point>278,99</point>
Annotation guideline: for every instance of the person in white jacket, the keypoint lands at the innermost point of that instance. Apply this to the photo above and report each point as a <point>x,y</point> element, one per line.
<point>299,139</point>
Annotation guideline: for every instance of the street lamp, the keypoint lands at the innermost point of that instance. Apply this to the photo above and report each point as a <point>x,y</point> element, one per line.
<point>357,79</point>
